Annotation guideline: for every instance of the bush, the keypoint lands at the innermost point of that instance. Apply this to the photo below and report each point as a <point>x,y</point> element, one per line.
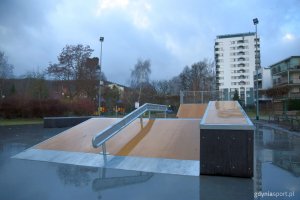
<point>82,107</point>
<point>12,107</point>
<point>53,107</point>
<point>19,107</point>
<point>294,104</point>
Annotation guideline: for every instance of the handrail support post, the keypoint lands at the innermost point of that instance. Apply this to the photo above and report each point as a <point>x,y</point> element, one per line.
<point>141,121</point>
<point>104,152</point>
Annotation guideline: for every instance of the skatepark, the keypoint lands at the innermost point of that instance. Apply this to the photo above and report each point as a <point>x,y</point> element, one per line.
<point>162,145</point>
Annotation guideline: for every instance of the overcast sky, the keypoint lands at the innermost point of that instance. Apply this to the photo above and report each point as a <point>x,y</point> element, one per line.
<point>171,33</point>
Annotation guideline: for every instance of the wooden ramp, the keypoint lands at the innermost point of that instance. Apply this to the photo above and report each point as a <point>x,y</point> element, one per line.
<point>159,138</point>
<point>191,110</point>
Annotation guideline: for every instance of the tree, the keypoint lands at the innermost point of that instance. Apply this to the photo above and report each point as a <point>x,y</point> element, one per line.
<point>76,66</point>
<point>140,75</point>
<point>6,71</point>
<point>37,85</point>
<point>236,96</point>
<point>185,78</point>
<point>198,77</point>
<point>112,95</point>
<point>162,87</point>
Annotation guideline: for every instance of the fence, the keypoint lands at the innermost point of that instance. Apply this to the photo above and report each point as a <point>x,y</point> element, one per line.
<point>199,96</point>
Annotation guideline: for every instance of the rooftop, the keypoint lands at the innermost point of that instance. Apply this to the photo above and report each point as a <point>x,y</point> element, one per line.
<point>235,35</point>
<point>284,60</point>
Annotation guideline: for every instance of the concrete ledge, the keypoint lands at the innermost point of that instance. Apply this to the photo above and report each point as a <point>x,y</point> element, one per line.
<point>61,122</point>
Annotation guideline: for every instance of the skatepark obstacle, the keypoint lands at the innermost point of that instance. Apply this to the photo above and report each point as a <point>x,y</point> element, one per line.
<point>106,134</point>
<point>226,140</point>
<point>191,111</point>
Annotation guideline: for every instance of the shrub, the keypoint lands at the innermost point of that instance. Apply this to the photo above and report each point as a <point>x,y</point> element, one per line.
<point>294,104</point>
<point>82,107</point>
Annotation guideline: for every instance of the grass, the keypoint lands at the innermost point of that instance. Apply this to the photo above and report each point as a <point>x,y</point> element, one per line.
<point>7,122</point>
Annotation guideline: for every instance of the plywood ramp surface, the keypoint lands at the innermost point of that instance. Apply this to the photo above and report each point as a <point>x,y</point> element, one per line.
<point>191,110</point>
<point>160,138</point>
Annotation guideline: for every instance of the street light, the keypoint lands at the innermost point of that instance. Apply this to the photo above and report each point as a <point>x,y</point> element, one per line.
<point>257,65</point>
<point>100,64</point>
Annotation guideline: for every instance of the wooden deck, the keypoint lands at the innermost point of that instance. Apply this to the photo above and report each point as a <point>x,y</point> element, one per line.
<point>160,138</point>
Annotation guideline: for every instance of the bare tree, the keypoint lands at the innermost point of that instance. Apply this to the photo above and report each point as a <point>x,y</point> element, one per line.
<point>140,75</point>
<point>6,71</point>
<point>185,78</point>
<point>76,65</point>
<point>37,85</point>
<point>162,87</point>
<point>200,76</point>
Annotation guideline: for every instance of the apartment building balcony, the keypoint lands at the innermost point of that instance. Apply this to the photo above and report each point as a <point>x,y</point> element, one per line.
<point>295,67</point>
<point>242,83</point>
<point>259,77</point>
<point>241,65</point>
<point>241,59</point>
<point>295,81</point>
<point>242,77</point>
<point>259,86</point>
<point>241,53</point>
<point>294,95</point>
<point>241,47</point>
<point>288,96</point>
<point>284,81</point>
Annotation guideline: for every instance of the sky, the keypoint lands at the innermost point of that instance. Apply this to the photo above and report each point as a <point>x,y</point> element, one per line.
<point>171,33</point>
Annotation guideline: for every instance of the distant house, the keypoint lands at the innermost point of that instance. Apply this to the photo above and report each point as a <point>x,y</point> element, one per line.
<point>286,74</point>
<point>120,87</point>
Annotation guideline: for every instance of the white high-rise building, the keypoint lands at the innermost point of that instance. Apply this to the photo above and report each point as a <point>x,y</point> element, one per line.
<point>235,64</point>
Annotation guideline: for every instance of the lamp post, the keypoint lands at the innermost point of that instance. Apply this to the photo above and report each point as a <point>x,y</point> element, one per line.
<point>257,65</point>
<point>100,64</point>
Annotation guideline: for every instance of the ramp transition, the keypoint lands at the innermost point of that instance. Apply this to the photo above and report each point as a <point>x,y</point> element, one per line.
<point>158,145</point>
<point>191,110</point>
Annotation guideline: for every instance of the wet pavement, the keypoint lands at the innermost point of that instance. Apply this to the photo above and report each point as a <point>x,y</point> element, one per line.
<point>277,173</point>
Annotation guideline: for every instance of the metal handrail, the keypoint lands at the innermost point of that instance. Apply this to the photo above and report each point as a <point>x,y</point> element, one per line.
<point>109,132</point>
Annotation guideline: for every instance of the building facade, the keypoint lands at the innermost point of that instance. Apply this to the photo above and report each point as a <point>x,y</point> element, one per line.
<point>264,83</point>
<point>286,74</point>
<point>235,63</point>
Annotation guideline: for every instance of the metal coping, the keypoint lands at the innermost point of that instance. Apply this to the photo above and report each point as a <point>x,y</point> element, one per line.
<point>221,126</point>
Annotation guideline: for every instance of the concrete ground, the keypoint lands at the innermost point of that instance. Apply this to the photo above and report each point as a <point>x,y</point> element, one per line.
<point>277,172</point>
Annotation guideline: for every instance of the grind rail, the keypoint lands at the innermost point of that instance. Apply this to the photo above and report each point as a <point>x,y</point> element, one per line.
<point>100,139</point>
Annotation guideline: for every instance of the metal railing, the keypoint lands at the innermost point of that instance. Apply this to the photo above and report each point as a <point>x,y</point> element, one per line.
<point>106,134</point>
